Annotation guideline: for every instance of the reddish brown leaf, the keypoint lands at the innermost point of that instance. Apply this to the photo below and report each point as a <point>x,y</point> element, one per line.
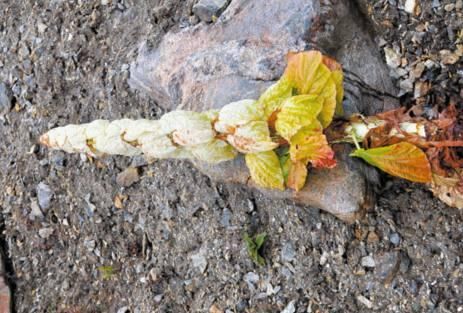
<point>402,160</point>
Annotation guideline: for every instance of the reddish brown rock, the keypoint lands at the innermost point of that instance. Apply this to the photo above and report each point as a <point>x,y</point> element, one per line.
<point>5,294</point>
<point>237,57</point>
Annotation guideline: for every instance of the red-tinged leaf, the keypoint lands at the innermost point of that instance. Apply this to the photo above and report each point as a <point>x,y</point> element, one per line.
<point>331,63</point>
<point>297,175</point>
<point>395,116</point>
<point>402,160</point>
<point>311,146</point>
<point>310,74</point>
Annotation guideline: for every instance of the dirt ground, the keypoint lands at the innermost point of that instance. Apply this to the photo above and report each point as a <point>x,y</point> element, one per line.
<point>175,243</point>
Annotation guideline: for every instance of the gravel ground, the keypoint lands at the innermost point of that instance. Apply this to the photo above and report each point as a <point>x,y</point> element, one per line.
<point>87,235</point>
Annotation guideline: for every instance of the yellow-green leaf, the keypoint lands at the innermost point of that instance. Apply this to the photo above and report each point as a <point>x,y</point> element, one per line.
<point>215,151</point>
<point>297,175</point>
<point>302,69</point>
<point>328,93</point>
<point>265,169</point>
<point>273,97</point>
<point>310,145</point>
<point>402,160</point>
<point>297,112</point>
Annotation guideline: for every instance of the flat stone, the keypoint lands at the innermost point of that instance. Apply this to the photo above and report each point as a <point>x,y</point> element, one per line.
<point>207,66</point>
<point>209,10</point>
<point>127,177</point>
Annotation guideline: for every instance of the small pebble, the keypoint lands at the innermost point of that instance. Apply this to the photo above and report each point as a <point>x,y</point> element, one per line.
<point>251,279</point>
<point>288,252</point>
<point>448,57</point>
<point>215,309</point>
<point>449,7</point>
<point>393,59</point>
<point>58,159</point>
<point>417,71</point>
<point>44,195</point>
<point>290,308</point>
<point>368,261</point>
<point>127,177</point>
<point>242,305</point>
<point>124,309</point>
<point>226,217</point>
<point>35,211</point>
<point>45,232</point>
<point>387,265</point>
<point>410,6</point>
<point>421,89</point>
<point>363,300</point>
<point>41,27</point>
<point>139,161</point>
<point>90,244</point>
<point>199,262</point>
<point>394,238</point>
<point>372,237</point>
<point>406,85</point>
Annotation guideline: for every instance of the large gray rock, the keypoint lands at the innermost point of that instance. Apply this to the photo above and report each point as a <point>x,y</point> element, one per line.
<point>239,56</point>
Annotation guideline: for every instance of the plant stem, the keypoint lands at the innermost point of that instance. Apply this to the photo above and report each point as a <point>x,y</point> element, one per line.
<point>355,141</point>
